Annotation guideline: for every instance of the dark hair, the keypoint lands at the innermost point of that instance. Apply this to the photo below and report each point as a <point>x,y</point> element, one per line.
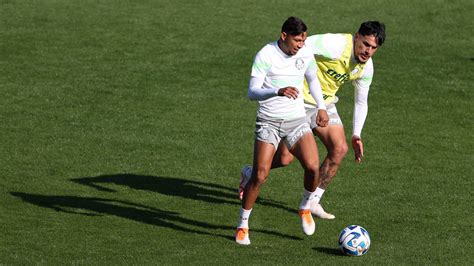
<point>373,28</point>
<point>293,26</point>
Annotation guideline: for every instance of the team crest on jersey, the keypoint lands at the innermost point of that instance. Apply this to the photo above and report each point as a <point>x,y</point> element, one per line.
<point>354,71</point>
<point>299,63</point>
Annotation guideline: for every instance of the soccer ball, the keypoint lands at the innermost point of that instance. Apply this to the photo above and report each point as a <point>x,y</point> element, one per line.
<point>354,240</point>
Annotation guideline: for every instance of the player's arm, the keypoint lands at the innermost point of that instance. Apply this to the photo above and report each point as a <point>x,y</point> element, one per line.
<point>322,118</point>
<point>361,94</point>
<point>256,91</point>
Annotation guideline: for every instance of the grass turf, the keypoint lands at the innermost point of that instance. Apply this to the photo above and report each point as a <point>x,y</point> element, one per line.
<point>125,125</point>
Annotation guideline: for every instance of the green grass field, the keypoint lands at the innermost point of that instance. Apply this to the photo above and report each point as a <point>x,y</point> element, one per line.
<point>124,125</point>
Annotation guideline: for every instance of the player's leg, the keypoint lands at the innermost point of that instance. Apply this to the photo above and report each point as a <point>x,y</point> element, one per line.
<point>282,158</point>
<point>263,154</point>
<point>334,139</point>
<point>245,175</point>
<point>306,152</point>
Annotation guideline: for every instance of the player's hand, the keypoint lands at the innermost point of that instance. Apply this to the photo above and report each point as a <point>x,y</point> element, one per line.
<point>290,92</point>
<point>322,119</point>
<point>358,147</point>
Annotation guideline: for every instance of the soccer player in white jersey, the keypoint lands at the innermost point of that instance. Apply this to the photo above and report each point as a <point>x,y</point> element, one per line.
<point>340,57</point>
<point>277,82</point>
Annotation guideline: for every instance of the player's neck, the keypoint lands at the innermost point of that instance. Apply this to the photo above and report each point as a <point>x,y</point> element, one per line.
<point>283,47</point>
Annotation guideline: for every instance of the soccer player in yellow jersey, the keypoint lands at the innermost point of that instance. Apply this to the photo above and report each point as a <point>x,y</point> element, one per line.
<point>339,57</point>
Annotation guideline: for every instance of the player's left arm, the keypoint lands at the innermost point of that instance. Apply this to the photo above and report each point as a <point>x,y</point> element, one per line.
<point>322,119</point>
<point>361,95</point>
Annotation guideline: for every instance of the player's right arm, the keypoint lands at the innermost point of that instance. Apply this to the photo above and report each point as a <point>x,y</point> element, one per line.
<point>256,92</point>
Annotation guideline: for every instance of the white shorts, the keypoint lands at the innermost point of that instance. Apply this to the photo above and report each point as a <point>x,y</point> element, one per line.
<point>311,112</point>
<point>274,130</point>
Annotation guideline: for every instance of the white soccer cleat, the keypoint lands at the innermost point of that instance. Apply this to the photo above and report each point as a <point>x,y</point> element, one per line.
<point>245,174</point>
<point>307,221</point>
<point>319,212</point>
<point>242,236</point>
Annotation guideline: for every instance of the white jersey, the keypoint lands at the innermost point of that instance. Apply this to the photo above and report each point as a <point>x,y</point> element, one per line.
<point>279,70</point>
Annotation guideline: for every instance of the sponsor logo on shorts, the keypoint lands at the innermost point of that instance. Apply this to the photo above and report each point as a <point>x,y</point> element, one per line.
<point>301,131</point>
<point>263,133</point>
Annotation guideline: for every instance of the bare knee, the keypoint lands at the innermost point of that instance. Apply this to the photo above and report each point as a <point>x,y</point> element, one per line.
<point>286,159</point>
<point>338,152</point>
<point>260,176</point>
<point>311,169</point>
<point>282,158</point>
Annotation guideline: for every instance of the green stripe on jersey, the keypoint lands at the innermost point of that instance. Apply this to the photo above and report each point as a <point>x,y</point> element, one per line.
<point>319,45</point>
<point>261,67</point>
<point>365,79</point>
<point>282,83</point>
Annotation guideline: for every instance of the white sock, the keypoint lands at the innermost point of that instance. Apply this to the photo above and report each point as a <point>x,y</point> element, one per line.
<point>318,194</point>
<point>244,218</point>
<point>307,197</point>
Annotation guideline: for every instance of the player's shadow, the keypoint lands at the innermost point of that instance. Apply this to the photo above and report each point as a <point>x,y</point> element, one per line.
<point>176,187</point>
<point>89,206</point>
<point>329,251</point>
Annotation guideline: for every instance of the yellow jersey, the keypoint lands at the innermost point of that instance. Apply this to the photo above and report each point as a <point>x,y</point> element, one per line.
<point>336,65</point>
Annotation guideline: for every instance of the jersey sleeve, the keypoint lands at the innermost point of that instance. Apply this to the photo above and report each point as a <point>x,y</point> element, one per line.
<point>314,85</point>
<point>361,95</point>
<point>261,65</point>
<point>256,92</point>
<point>365,79</point>
<point>329,45</point>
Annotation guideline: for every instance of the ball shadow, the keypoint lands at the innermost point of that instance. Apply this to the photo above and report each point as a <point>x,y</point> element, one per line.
<point>329,251</point>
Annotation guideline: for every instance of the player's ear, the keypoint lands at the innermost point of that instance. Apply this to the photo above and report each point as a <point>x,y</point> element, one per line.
<point>283,36</point>
<point>356,36</point>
